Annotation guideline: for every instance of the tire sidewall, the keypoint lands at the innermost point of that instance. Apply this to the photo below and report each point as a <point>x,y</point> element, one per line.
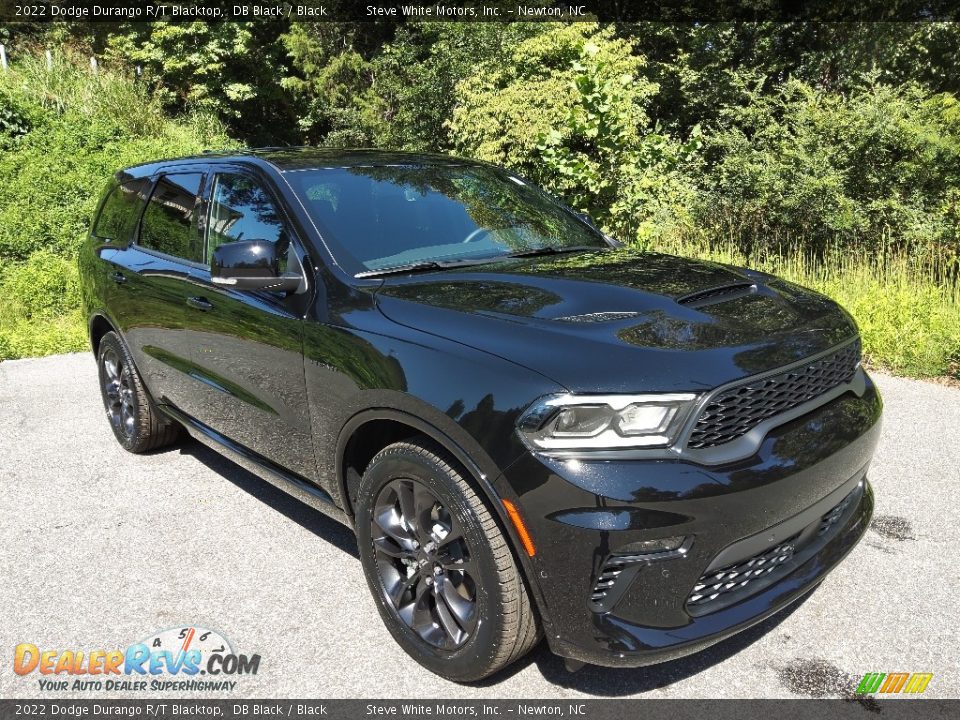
<point>110,341</point>
<point>482,644</point>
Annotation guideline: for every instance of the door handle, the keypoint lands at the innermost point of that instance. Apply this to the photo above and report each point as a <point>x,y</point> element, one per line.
<point>118,277</point>
<point>200,303</point>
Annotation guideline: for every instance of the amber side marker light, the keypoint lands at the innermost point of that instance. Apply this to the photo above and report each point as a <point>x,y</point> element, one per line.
<point>521,528</point>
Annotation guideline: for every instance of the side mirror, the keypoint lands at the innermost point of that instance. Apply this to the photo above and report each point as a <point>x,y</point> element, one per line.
<point>251,265</point>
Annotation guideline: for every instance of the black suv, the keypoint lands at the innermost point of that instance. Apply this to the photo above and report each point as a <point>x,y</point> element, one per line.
<point>532,430</point>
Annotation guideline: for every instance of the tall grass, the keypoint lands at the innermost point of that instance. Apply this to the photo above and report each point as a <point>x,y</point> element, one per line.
<point>910,322</point>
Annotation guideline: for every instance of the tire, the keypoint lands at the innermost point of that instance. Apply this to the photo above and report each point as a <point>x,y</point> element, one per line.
<point>407,487</point>
<point>134,418</point>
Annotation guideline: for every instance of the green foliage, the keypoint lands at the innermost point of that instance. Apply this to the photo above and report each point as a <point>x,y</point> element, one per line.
<point>17,117</point>
<point>398,96</point>
<point>704,68</point>
<point>570,111</point>
<point>631,182</point>
<point>874,169</point>
<point>417,75</point>
<point>827,152</point>
<point>40,312</point>
<point>229,70</point>
<point>507,105</point>
<point>82,129</point>
<point>338,102</point>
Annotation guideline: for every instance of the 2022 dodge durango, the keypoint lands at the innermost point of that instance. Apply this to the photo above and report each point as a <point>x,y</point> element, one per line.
<point>533,431</point>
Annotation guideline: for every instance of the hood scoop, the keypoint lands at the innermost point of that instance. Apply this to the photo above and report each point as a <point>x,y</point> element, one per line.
<point>714,295</point>
<point>598,317</point>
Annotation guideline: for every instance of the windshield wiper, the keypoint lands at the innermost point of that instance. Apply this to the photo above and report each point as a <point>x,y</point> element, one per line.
<point>425,266</point>
<point>550,250</point>
<point>433,265</point>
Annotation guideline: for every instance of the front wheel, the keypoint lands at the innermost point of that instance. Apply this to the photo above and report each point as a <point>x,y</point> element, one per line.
<point>443,576</point>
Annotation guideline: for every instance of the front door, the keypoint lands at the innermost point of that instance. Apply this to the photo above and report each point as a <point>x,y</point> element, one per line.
<point>248,345</point>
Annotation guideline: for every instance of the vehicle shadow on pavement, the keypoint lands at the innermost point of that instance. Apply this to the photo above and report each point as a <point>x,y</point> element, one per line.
<point>614,682</point>
<point>307,517</point>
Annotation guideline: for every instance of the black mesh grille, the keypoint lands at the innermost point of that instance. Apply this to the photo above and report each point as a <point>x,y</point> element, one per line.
<point>736,411</point>
<point>718,589</point>
<point>737,578</point>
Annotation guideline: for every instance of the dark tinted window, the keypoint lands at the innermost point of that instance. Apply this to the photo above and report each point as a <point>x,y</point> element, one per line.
<point>119,210</point>
<point>241,209</point>
<point>170,220</point>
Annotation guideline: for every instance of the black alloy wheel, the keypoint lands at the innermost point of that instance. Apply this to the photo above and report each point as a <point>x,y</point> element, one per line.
<point>439,565</point>
<point>425,564</point>
<point>134,418</point>
<point>117,392</point>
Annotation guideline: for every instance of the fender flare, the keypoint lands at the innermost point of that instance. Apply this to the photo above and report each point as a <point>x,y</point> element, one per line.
<point>481,477</point>
<point>482,481</point>
<point>93,317</point>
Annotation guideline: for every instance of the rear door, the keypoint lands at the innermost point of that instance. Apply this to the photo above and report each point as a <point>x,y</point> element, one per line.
<point>155,279</point>
<point>248,345</point>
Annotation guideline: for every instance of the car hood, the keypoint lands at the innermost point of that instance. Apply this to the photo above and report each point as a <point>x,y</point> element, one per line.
<point>621,321</point>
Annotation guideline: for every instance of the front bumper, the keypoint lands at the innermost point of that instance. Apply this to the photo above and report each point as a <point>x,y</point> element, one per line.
<point>580,513</point>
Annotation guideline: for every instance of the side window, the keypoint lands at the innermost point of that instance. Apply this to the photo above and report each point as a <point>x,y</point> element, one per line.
<point>241,209</point>
<point>169,223</point>
<point>118,212</point>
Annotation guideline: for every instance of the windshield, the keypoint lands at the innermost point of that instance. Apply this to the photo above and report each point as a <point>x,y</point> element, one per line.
<point>393,216</point>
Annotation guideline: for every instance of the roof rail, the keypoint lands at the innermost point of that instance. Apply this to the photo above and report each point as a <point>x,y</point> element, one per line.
<point>254,150</point>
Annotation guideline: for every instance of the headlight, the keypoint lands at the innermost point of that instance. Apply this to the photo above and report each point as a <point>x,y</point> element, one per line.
<point>604,422</point>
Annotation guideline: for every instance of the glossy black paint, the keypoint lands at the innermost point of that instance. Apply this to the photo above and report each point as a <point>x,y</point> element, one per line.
<point>608,505</point>
<point>292,384</point>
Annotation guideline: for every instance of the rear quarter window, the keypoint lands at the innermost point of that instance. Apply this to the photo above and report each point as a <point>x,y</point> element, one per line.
<point>119,211</point>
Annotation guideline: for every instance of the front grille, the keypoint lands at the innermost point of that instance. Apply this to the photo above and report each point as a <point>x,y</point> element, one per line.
<point>736,578</point>
<point>736,411</point>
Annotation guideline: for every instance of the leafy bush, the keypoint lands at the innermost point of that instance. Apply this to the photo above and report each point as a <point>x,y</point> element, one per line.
<point>570,112</point>
<point>632,183</point>
<point>877,168</point>
<point>81,129</point>
<point>40,313</point>
<point>229,70</point>
<point>16,118</point>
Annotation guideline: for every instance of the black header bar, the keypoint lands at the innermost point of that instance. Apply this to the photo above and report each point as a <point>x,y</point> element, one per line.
<point>479,11</point>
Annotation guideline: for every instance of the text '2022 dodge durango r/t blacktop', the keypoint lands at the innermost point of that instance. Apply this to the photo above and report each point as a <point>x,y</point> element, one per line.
<point>533,431</point>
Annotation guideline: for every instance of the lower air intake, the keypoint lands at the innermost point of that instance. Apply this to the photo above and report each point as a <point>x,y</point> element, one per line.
<point>737,578</point>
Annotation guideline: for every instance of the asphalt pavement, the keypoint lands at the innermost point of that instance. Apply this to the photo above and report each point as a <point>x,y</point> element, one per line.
<point>100,549</point>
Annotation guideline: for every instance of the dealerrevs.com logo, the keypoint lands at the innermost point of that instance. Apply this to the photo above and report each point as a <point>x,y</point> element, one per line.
<point>180,659</point>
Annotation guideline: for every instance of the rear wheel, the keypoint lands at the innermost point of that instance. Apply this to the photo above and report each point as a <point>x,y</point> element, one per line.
<point>136,422</point>
<point>443,576</point>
